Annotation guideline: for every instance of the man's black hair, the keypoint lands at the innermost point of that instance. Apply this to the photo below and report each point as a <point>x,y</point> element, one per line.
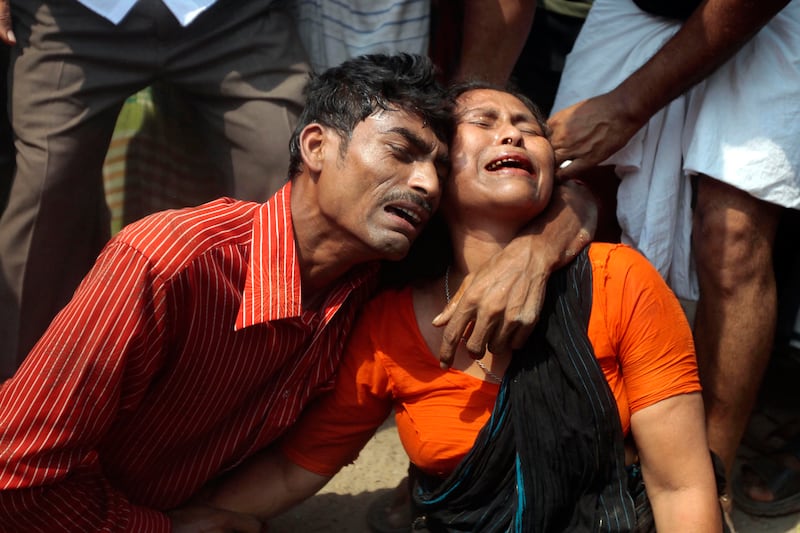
<point>343,96</point>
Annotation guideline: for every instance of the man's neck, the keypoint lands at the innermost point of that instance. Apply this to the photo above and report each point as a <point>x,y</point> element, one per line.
<point>323,255</point>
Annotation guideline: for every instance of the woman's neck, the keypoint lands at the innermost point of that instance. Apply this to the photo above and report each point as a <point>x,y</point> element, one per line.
<point>472,249</point>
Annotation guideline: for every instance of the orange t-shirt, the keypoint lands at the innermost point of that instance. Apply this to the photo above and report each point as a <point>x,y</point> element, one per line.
<point>637,328</point>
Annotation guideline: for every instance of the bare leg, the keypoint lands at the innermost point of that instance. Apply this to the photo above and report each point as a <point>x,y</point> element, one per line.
<point>734,327</point>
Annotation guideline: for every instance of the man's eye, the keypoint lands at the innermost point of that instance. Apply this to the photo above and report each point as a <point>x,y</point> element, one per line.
<point>401,153</point>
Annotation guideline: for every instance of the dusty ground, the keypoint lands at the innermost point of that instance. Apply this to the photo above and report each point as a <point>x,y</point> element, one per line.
<point>342,505</point>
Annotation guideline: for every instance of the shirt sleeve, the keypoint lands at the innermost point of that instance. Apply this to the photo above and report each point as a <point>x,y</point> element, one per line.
<point>333,431</point>
<point>649,328</point>
<point>91,363</point>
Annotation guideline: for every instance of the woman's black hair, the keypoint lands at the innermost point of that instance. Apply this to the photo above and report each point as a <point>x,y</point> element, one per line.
<point>343,96</point>
<point>455,91</point>
<point>432,252</point>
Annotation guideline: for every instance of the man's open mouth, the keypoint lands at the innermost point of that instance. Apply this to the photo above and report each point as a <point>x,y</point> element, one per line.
<point>410,216</point>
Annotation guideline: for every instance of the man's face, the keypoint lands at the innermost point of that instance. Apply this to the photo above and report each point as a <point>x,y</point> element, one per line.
<point>385,186</point>
<point>500,157</point>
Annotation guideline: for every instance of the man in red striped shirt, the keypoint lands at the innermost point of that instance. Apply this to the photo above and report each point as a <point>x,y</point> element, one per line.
<point>200,334</point>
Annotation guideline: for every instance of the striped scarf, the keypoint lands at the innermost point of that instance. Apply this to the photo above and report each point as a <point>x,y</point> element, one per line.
<point>551,457</point>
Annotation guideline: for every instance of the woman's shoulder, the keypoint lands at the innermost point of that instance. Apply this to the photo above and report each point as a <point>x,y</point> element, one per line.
<point>621,259</point>
<point>623,278</point>
<point>614,252</point>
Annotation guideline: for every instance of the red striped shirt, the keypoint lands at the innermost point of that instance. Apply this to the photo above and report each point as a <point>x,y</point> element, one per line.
<point>183,351</point>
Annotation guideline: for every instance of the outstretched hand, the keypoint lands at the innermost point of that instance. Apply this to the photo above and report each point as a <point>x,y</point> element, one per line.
<point>205,519</point>
<point>6,33</point>
<point>496,307</point>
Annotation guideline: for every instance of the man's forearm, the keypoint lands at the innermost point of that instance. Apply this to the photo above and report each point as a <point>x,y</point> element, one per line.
<point>710,36</point>
<point>567,226</point>
<point>494,35</point>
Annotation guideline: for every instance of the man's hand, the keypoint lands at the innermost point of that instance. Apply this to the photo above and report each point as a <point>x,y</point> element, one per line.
<point>204,519</point>
<point>591,131</point>
<point>6,33</point>
<point>498,306</point>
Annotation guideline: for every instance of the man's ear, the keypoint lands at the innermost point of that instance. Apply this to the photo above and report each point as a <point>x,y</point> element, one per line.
<point>313,143</point>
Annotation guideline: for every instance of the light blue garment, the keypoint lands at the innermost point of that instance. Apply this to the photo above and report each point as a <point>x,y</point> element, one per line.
<point>115,10</point>
<point>333,31</point>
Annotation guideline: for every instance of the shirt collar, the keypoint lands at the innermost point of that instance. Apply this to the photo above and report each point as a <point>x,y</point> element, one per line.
<point>184,10</point>
<point>272,288</point>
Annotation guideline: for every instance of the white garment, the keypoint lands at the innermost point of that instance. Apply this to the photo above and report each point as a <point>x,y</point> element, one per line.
<point>741,126</point>
<point>115,10</point>
<point>333,31</point>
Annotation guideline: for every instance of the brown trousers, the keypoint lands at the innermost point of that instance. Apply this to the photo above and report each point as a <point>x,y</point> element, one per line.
<point>242,70</point>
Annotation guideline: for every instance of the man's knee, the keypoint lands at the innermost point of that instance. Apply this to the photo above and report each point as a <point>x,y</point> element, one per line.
<point>733,235</point>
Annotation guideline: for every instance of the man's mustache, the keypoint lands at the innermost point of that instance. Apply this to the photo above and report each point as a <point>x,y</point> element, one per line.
<point>412,197</point>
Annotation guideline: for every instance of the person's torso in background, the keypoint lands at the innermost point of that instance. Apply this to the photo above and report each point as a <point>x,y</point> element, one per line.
<point>333,32</point>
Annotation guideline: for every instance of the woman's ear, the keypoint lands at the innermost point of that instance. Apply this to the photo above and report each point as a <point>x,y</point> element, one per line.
<point>312,146</point>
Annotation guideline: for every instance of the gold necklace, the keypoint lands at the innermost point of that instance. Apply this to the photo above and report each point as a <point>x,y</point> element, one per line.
<point>483,367</point>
